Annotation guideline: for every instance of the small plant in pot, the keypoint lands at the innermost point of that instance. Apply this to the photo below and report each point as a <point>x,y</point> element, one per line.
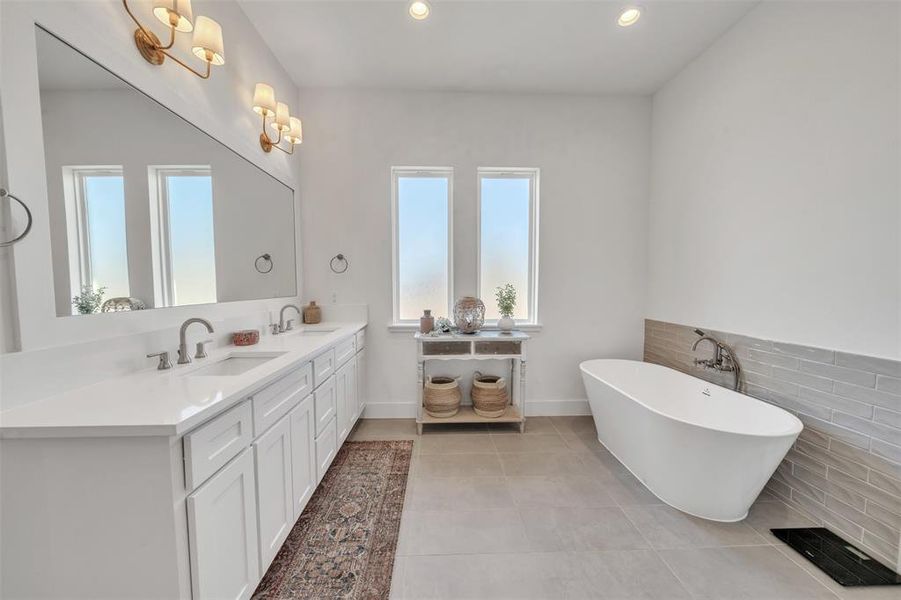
<point>506,303</point>
<point>89,300</point>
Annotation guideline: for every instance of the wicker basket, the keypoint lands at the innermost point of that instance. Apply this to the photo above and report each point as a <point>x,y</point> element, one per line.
<point>489,395</point>
<point>441,397</point>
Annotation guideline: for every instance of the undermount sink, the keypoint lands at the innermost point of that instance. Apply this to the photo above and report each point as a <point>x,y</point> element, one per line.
<point>235,364</point>
<point>312,331</point>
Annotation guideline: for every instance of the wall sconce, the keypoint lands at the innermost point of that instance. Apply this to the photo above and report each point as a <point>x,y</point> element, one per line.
<point>177,15</point>
<point>288,127</point>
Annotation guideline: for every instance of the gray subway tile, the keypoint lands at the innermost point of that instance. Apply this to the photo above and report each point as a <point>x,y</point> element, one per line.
<point>891,385</point>
<point>870,396</point>
<point>831,487</point>
<point>807,461</point>
<point>805,379</point>
<point>869,428</point>
<point>809,352</point>
<point>774,359</point>
<point>888,417</point>
<point>887,552</point>
<point>826,457</point>
<point>864,489</point>
<point>890,485</point>
<point>836,431</point>
<point>775,385</point>
<point>812,436</point>
<point>877,511</point>
<point>851,407</point>
<point>800,485</point>
<point>882,366</point>
<point>798,405</point>
<point>857,517</point>
<point>810,506</point>
<point>752,366</point>
<point>854,376</point>
<point>780,489</point>
<point>865,457</point>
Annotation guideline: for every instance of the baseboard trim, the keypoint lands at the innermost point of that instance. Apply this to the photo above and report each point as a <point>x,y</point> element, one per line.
<point>535,408</point>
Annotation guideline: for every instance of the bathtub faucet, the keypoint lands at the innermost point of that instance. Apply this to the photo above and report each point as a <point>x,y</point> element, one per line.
<point>723,358</point>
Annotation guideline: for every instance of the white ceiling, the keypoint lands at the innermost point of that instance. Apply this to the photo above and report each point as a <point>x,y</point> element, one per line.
<point>556,46</point>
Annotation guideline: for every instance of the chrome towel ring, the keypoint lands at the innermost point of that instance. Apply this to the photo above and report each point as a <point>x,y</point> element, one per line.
<point>341,260</point>
<point>263,263</point>
<point>6,194</point>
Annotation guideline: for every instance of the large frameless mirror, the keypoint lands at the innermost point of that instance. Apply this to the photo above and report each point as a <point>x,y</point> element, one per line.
<point>146,210</point>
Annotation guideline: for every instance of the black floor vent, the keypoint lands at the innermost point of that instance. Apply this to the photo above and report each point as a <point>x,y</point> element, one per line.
<point>837,558</point>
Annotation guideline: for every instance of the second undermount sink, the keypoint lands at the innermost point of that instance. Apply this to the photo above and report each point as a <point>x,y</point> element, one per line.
<point>308,332</point>
<point>235,363</point>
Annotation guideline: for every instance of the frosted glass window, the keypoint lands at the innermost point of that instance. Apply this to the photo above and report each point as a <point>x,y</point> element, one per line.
<point>104,200</point>
<point>422,206</point>
<point>508,239</point>
<point>186,236</point>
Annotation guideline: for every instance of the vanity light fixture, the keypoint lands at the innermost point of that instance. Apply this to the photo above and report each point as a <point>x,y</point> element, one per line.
<point>288,127</point>
<point>419,9</point>
<point>178,16</point>
<point>629,16</point>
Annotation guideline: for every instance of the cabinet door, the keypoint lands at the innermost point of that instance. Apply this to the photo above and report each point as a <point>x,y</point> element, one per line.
<point>353,405</point>
<point>222,529</point>
<point>303,455</point>
<point>275,507</point>
<point>342,391</point>
<point>361,381</point>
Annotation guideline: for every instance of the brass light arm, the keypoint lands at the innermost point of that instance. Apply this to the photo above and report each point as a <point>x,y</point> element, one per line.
<point>149,34</point>
<point>209,66</point>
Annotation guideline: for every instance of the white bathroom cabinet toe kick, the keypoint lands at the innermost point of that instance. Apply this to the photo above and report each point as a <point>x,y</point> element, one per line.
<point>196,516</point>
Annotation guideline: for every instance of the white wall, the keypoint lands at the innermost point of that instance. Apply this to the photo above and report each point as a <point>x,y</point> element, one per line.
<point>219,106</point>
<point>593,154</point>
<point>775,180</point>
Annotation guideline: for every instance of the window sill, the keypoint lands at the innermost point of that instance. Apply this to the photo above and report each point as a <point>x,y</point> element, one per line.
<point>414,327</point>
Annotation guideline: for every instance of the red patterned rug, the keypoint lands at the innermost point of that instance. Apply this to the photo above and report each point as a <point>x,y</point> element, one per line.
<point>343,544</point>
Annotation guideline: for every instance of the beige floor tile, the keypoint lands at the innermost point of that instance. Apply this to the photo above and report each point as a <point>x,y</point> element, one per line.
<point>574,424</point>
<point>580,529</point>
<point>621,575</point>
<point>462,532</point>
<point>458,465</point>
<point>563,491</point>
<point>766,515</point>
<point>533,425</point>
<point>529,443</point>
<point>666,527</point>
<point>627,490</point>
<point>384,429</point>
<point>457,493</point>
<point>756,573</point>
<point>565,463</point>
<point>463,443</point>
<point>582,442</point>
<point>527,576</point>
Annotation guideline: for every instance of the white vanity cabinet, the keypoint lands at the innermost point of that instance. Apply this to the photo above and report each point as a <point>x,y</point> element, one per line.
<point>222,524</point>
<point>195,513</point>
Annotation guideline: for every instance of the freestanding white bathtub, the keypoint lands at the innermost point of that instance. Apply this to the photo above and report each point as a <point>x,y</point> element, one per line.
<point>701,448</point>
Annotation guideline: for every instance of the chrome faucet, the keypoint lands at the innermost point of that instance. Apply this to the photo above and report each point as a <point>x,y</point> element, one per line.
<point>183,357</point>
<point>281,319</point>
<point>723,358</point>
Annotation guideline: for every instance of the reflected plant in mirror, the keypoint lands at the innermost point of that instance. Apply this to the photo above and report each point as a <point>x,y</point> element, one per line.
<point>89,300</point>
<point>163,216</point>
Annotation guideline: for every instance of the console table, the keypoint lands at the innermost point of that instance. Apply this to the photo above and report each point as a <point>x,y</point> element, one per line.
<point>485,345</point>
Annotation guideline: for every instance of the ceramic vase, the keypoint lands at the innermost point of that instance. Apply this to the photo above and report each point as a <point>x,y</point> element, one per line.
<point>426,322</point>
<point>506,324</point>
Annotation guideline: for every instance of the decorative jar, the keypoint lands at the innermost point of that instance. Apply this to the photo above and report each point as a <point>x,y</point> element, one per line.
<point>469,314</point>
<point>426,322</point>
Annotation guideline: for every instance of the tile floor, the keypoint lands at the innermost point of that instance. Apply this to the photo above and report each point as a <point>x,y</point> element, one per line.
<point>491,513</point>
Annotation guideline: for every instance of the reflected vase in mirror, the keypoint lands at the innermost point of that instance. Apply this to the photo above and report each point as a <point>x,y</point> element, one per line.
<point>469,314</point>
<point>164,216</point>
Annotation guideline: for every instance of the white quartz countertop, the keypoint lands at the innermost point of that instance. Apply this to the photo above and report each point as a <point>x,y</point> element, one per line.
<point>166,403</point>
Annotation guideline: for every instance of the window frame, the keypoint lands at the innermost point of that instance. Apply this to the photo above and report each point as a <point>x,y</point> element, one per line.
<point>434,172</point>
<point>161,242</point>
<point>78,236</point>
<point>533,174</point>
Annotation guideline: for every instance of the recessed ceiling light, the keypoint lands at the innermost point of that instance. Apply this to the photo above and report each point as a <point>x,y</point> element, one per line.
<point>420,9</point>
<point>629,16</point>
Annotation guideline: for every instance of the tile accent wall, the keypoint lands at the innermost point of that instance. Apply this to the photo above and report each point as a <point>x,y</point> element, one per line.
<point>844,471</point>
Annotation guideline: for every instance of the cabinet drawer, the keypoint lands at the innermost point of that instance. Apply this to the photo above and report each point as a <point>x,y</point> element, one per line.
<point>361,339</point>
<point>277,399</point>
<point>213,444</point>
<point>344,351</point>
<point>325,400</point>
<point>323,366</point>
<point>326,448</point>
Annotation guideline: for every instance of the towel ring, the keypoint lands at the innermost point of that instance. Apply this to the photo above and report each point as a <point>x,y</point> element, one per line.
<point>6,194</point>
<point>341,259</point>
<point>266,259</point>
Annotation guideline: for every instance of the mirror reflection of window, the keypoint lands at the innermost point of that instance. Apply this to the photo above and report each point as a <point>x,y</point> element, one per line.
<point>95,215</point>
<point>186,271</point>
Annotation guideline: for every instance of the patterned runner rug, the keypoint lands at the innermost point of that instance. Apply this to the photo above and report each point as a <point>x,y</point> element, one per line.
<point>343,544</point>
